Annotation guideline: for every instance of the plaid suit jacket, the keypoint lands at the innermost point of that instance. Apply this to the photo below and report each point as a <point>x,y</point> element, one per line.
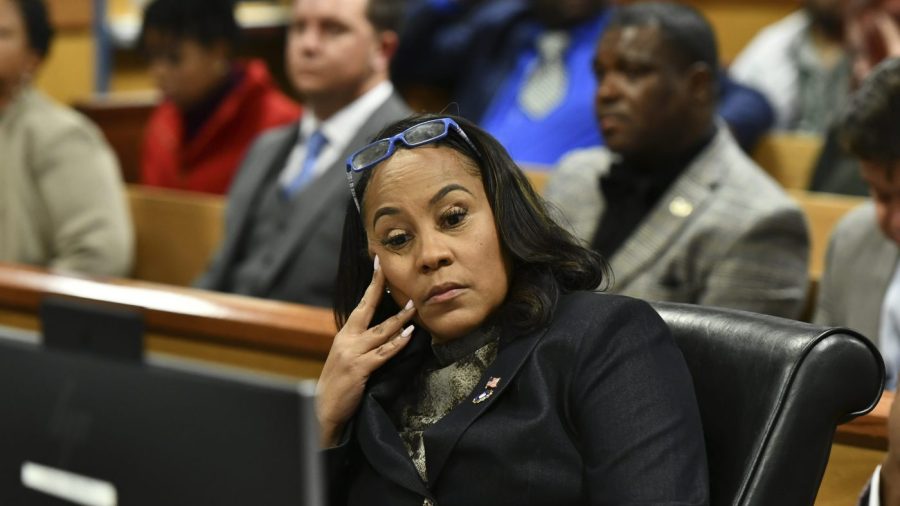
<point>724,233</point>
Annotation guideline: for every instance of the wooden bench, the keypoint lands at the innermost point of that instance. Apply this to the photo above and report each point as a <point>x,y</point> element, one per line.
<point>176,233</point>
<point>789,158</point>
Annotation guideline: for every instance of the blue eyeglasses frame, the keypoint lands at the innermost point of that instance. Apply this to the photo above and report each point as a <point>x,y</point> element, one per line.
<point>354,167</point>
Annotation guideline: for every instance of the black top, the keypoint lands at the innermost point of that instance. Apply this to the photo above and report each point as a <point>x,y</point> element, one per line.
<point>598,407</point>
<point>631,190</point>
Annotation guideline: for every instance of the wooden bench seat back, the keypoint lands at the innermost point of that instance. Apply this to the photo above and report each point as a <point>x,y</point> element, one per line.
<point>176,233</point>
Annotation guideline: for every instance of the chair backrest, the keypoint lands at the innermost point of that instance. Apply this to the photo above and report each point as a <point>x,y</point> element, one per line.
<point>771,392</point>
<point>176,233</point>
<point>789,157</point>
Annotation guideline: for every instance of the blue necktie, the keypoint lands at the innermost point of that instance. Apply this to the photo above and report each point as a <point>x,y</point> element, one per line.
<point>314,146</point>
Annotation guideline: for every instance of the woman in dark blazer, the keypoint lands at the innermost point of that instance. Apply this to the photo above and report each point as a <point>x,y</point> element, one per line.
<point>472,367</point>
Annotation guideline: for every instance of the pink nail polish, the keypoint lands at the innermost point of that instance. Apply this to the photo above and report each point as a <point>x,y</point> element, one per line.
<point>407,331</point>
<point>377,264</point>
<point>408,306</point>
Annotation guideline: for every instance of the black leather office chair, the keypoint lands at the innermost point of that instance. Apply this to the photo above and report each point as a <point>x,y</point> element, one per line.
<point>771,392</point>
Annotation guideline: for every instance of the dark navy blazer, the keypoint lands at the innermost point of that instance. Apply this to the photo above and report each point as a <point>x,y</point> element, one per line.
<point>596,408</point>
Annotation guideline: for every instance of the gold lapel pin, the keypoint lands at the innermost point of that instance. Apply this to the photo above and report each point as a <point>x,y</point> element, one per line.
<point>681,207</point>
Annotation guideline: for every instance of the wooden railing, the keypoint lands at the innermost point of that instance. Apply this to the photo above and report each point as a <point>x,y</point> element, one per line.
<point>228,323</point>
<point>870,431</point>
<point>287,338</point>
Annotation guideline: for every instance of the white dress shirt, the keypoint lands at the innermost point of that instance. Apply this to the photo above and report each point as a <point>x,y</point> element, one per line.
<point>874,488</point>
<point>339,130</point>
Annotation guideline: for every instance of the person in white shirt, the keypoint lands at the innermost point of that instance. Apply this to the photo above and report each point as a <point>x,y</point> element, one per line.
<point>801,66</point>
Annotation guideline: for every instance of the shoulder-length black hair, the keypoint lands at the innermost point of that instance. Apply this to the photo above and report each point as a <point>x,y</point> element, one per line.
<point>545,259</point>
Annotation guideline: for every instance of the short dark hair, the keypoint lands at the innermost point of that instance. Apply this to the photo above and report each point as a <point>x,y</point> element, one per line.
<point>37,24</point>
<point>545,259</point>
<point>688,34</point>
<point>203,21</point>
<point>870,126</point>
<point>386,15</point>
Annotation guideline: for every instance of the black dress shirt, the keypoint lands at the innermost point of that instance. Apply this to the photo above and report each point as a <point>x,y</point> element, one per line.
<point>631,190</point>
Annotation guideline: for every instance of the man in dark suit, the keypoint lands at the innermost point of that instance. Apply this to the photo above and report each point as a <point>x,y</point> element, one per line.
<point>286,206</point>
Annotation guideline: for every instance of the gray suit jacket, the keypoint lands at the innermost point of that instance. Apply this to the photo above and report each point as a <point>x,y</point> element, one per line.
<point>858,269</point>
<point>303,271</point>
<point>724,234</point>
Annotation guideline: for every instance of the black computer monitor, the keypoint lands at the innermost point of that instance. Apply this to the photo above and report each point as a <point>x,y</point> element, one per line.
<point>92,327</point>
<point>77,425</point>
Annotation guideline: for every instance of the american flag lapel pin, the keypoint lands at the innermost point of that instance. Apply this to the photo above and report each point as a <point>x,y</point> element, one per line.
<point>488,390</point>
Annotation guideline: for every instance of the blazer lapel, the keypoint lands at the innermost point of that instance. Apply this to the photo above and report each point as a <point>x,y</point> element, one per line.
<point>380,442</point>
<point>376,433</point>
<point>681,204</point>
<point>441,438</point>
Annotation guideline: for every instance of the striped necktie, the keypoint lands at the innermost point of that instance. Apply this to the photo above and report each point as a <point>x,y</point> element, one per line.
<point>546,84</point>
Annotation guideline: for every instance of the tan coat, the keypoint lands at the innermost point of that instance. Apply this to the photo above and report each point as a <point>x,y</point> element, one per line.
<point>62,203</point>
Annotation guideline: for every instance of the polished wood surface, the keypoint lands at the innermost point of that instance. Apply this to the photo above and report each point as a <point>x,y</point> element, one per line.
<point>869,431</point>
<point>185,313</point>
<point>848,472</point>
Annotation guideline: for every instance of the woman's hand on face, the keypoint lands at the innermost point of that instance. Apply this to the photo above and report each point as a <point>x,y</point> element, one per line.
<point>357,351</point>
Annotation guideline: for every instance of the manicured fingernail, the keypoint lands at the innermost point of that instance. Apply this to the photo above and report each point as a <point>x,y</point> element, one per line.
<point>377,264</point>
<point>408,306</point>
<point>407,331</point>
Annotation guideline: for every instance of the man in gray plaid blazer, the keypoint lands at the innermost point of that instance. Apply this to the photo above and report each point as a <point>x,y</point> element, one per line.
<point>672,202</point>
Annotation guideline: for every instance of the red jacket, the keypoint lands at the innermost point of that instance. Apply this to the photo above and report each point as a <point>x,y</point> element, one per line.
<point>209,160</point>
